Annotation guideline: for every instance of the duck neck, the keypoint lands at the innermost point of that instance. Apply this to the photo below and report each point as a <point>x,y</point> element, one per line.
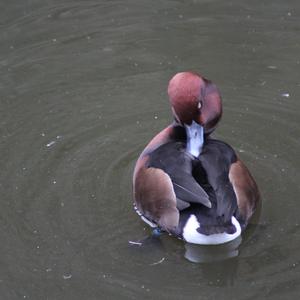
<point>195,138</point>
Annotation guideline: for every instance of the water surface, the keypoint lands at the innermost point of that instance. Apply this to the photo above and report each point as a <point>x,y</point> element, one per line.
<point>83,89</point>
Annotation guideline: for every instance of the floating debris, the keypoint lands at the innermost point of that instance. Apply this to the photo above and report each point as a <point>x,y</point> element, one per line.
<point>135,243</point>
<point>272,67</point>
<point>50,144</point>
<point>53,142</point>
<point>158,262</point>
<point>286,95</point>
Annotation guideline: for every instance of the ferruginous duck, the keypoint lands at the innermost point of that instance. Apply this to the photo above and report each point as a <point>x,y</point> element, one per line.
<point>185,182</point>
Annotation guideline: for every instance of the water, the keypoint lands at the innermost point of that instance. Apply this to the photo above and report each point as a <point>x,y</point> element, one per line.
<point>83,89</point>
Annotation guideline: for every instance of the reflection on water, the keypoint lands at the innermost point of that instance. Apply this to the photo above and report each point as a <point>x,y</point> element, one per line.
<point>83,89</point>
<point>202,254</point>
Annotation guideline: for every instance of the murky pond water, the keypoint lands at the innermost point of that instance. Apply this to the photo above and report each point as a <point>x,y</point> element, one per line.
<point>83,89</point>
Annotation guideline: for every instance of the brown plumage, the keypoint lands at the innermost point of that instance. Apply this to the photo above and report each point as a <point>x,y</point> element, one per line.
<point>185,177</point>
<point>245,188</point>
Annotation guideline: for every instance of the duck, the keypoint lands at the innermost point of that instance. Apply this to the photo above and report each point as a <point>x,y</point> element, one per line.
<point>187,183</point>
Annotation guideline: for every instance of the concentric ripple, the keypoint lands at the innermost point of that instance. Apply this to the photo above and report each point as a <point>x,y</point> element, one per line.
<point>82,91</point>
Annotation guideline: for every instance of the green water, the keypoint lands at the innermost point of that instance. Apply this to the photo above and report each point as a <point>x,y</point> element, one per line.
<point>82,91</point>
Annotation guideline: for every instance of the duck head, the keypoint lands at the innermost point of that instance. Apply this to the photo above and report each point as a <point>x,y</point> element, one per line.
<point>195,99</point>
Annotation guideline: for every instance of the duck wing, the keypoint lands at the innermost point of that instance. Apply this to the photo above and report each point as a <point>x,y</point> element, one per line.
<point>173,160</point>
<point>216,159</point>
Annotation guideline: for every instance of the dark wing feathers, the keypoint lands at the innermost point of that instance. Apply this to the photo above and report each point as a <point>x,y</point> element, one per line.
<point>173,160</point>
<point>216,159</point>
<point>203,180</point>
<point>188,190</point>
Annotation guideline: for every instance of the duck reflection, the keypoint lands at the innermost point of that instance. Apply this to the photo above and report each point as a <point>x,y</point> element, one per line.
<point>219,264</point>
<point>208,254</point>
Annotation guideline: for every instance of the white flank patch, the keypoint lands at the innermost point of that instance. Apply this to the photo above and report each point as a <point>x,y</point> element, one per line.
<point>195,138</point>
<point>191,235</point>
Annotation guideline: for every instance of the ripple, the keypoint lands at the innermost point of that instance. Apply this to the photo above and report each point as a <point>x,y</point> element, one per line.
<point>88,80</point>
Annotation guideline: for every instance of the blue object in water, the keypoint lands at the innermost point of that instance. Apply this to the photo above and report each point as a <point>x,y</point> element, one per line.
<point>156,232</point>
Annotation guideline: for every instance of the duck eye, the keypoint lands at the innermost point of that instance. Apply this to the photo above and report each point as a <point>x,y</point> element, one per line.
<point>199,105</point>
